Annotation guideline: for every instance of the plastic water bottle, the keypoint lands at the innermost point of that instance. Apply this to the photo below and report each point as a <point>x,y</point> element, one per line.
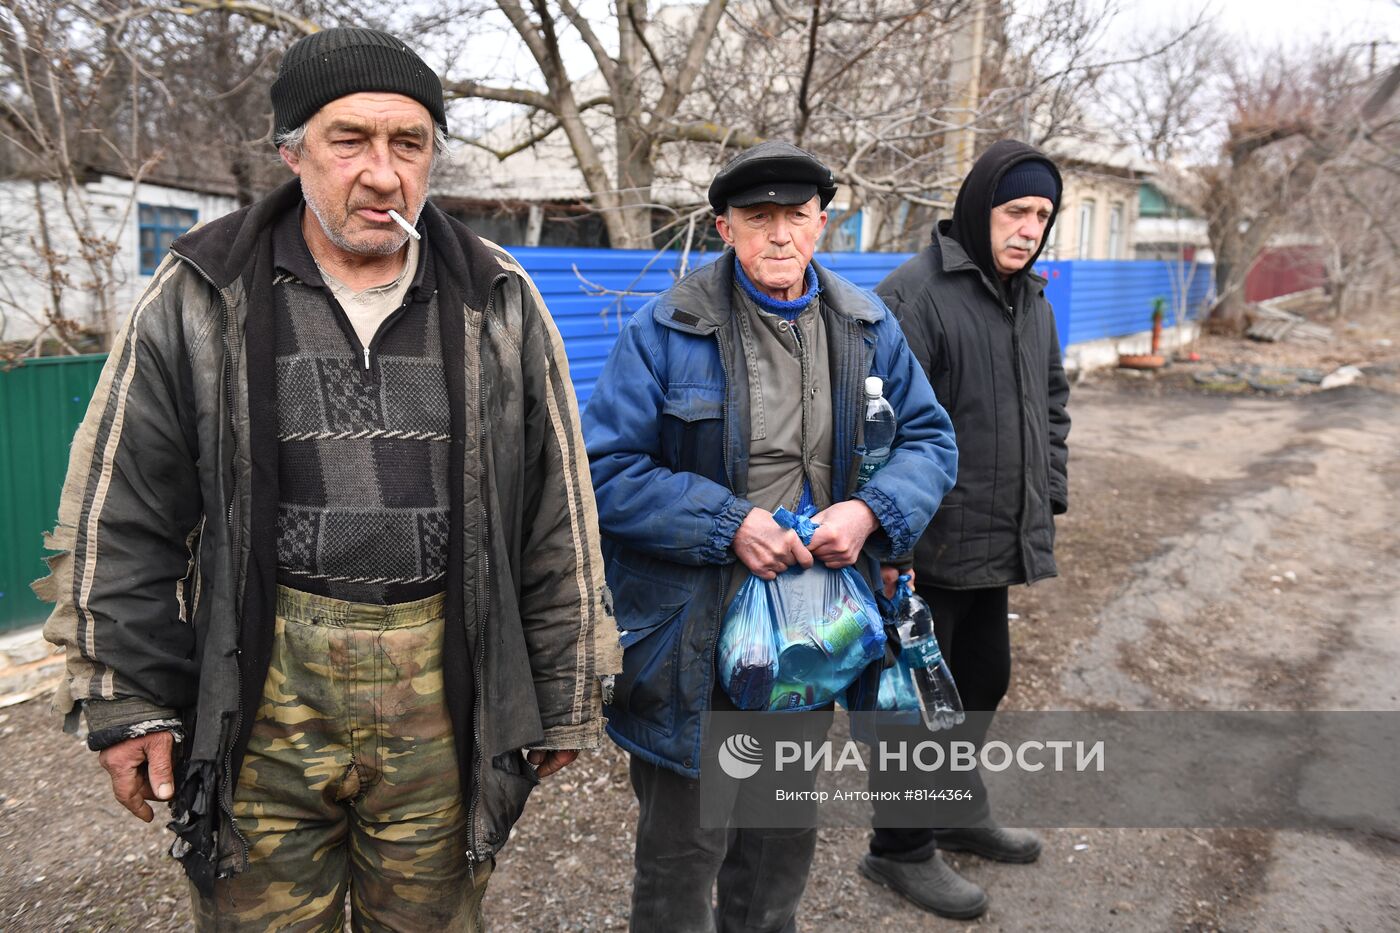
<point>939,702</point>
<point>879,429</point>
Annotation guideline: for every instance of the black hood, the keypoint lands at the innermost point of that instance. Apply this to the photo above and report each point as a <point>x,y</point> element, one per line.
<point>971,224</point>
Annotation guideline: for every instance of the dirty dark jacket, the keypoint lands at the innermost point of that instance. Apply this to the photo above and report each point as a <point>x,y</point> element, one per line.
<point>668,430</point>
<point>165,574</point>
<point>998,372</point>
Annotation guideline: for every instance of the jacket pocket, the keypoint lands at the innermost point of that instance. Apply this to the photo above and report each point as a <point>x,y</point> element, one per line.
<point>692,429</point>
<point>506,783</point>
<point>651,613</point>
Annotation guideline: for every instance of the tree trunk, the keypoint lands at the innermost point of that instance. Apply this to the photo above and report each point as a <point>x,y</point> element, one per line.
<point>635,174</point>
<point>1229,316</point>
<point>1237,242</point>
<point>242,173</point>
<point>635,171</point>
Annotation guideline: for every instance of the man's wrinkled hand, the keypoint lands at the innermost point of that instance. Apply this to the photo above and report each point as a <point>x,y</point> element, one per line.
<point>140,769</point>
<point>841,533</point>
<point>547,761</point>
<point>767,548</point>
<point>889,578</point>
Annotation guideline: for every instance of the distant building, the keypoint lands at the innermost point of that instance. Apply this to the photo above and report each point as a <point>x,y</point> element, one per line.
<point>1168,230</point>
<point>538,197</point>
<point>40,235</point>
<point>1098,213</point>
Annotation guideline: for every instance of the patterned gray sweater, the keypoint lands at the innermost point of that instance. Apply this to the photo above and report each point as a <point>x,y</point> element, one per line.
<point>363,439</point>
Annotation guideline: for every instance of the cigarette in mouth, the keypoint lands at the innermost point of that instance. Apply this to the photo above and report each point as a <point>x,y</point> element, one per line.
<point>407,227</point>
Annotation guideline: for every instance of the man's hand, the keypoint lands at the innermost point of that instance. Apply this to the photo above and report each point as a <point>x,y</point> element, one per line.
<point>767,548</point>
<point>841,533</point>
<point>546,762</point>
<point>889,577</point>
<point>138,765</point>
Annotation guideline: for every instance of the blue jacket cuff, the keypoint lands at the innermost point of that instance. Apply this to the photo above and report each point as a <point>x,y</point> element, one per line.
<point>726,525</point>
<point>891,520</point>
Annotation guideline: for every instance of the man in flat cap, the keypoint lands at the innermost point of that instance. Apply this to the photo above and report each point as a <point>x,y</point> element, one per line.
<point>976,317</point>
<point>735,392</point>
<point>329,575</point>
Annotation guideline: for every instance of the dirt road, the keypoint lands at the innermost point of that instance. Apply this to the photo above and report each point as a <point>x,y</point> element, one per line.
<point>1220,553</point>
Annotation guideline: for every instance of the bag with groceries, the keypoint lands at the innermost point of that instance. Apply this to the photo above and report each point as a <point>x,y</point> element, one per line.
<point>796,642</point>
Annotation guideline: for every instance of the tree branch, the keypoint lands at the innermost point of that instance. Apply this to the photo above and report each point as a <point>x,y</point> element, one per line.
<point>702,132</point>
<point>681,82</point>
<point>537,137</point>
<point>261,13</point>
<point>870,47</point>
<point>510,95</point>
<point>530,35</point>
<point>804,103</point>
<point>606,65</point>
<point>641,35</point>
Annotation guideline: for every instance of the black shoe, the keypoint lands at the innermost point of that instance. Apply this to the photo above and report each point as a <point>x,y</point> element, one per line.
<point>930,884</point>
<point>994,842</point>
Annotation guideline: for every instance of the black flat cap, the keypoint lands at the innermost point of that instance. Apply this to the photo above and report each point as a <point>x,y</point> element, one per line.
<point>771,173</point>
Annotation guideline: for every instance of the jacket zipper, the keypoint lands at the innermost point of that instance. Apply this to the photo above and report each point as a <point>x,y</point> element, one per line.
<point>235,548</point>
<point>729,478</point>
<point>852,382</point>
<point>484,563</point>
<point>1021,426</point>
<point>805,376</point>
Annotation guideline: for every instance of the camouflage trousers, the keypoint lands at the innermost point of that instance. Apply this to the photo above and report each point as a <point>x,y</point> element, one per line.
<point>350,782</point>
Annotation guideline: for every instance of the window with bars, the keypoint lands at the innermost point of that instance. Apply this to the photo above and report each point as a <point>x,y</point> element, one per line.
<point>159,226</point>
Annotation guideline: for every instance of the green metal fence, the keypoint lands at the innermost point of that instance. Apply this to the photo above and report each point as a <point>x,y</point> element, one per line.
<point>41,403</point>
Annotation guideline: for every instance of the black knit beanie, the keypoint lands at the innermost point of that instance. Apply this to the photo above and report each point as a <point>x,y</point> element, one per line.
<point>332,63</point>
<point>1026,179</point>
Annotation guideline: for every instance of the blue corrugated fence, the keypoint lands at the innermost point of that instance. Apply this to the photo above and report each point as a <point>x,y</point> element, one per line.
<point>591,292</point>
<point>1094,299</point>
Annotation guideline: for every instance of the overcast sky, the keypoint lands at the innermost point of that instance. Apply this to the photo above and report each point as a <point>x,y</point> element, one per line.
<point>1275,22</point>
<point>1261,24</point>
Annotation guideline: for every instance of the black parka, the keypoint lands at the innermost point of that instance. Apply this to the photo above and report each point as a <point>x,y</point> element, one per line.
<point>991,350</point>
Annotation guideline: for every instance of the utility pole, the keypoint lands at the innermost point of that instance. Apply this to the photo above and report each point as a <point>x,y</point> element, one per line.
<point>965,82</point>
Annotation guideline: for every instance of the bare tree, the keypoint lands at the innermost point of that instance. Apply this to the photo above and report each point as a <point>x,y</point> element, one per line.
<point>1265,140</point>
<point>1289,120</point>
<point>71,107</point>
<point>897,95</point>
<point>1351,208</point>
<point>1168,103</point>
<point>641,83</point>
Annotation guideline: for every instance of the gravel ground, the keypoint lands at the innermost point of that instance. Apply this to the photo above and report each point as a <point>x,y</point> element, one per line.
<point>1188,508</point>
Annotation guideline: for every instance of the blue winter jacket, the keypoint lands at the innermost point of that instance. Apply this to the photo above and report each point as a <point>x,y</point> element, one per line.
<point>667,431</point>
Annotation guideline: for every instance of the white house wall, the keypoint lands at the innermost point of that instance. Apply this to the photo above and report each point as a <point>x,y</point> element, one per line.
<point>108,199</point>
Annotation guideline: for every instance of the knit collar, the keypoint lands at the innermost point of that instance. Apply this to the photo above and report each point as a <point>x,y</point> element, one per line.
<point>788,309</point>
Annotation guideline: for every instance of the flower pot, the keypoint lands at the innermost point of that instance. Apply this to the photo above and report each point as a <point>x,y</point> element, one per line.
<point>1141,361</point>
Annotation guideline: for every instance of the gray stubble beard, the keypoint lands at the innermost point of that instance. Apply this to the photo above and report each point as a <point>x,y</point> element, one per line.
<point>336,237</point>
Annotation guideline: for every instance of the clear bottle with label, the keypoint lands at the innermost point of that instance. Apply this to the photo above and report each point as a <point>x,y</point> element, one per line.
<point>936,693</point>
<point>879,432</point>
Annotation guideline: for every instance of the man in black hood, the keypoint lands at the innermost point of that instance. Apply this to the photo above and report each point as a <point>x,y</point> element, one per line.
<point>977,320</point>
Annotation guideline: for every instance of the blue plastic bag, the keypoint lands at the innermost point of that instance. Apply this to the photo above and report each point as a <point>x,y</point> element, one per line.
<point>898,693</point>
<point>796,642</point>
